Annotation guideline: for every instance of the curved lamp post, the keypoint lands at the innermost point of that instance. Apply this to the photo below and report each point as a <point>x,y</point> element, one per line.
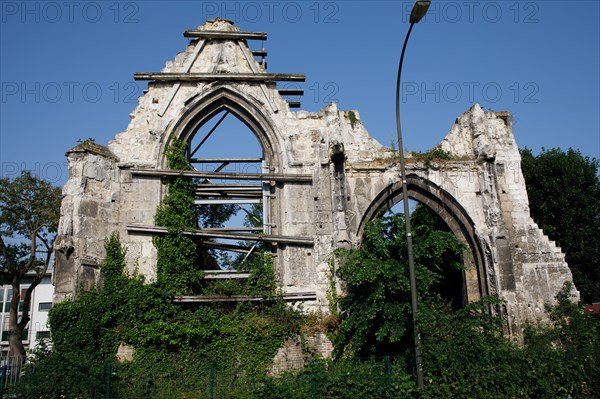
<point>419,10</point>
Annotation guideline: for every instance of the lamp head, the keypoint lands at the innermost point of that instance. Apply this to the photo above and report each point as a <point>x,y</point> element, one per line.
<point>419,10</point>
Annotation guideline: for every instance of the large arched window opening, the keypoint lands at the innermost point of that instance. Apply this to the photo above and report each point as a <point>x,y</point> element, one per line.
<point>232,141</point>
<point>231,201</point>
<point>474,282</point>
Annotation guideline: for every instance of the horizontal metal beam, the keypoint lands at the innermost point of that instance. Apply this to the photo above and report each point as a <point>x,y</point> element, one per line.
<point>259,53</point>
<point>236,192</point>
<point>232,187</point>
<point>222,160</point>
<point>228,201</point>
<point>225,274</point>
<point>229,192</point>
<point>291,92</point>
<point>233,229</point>
<point>218,34</point>
<point>243,190</point>
<point>228,195</point>
<point>223,175</point>
<point>288,297</point>
<point>294,104</point>
<point>212,77</point>
<point>270,238</point>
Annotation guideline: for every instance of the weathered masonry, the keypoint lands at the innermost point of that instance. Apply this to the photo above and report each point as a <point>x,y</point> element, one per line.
<point>319,177</point>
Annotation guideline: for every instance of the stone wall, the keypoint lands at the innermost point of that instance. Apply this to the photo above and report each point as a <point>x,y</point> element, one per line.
<point>479,191</point>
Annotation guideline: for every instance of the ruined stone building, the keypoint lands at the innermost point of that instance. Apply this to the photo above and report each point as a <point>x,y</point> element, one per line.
<point>319,177</point>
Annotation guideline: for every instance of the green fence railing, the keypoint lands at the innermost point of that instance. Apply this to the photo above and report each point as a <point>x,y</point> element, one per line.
<point>310,378</point>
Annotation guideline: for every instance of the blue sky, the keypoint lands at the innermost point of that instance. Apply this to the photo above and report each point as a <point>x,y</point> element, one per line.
<point>66,68</point>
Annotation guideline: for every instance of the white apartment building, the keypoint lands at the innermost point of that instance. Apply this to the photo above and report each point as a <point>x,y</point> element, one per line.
<point>41,302</point>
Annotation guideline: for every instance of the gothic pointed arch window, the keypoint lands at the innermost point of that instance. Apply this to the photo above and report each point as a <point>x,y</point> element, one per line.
<point>231,200</point>
<point>442,210</point>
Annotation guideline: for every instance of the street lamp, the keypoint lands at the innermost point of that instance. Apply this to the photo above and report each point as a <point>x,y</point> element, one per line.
<point>419,10</point>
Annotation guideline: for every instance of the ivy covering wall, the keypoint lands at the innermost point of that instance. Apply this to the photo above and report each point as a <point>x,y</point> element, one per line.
<point>127,310</point>
<point>177,268</point>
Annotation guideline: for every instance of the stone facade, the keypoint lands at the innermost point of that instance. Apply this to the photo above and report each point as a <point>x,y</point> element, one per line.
<point>479,191</point>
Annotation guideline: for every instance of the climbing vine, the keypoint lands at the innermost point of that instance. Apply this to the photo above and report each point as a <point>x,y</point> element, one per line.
<point>125,310</point>
<point>352,117</point>
<point>177,255</point>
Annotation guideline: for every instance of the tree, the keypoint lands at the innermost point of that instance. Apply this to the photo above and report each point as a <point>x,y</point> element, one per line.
<point>564,192</point>
<point>377,306</point>
<point>29,214</point>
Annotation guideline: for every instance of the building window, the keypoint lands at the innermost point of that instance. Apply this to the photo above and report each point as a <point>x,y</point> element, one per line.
<point>42,335</point>
<point>45,306</point>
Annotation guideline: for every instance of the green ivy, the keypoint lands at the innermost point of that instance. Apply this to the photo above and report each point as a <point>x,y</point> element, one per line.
<point>436,154</point>
<point>177,266</point>
<point>376,275</point>
<point>352,117</point>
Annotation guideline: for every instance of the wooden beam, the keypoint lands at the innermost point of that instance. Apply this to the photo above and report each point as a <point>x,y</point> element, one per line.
<point>223,175</point>
<point>212,77</point>
<point>270,238</point>
<point>288,297</point>
<point>218,34</point>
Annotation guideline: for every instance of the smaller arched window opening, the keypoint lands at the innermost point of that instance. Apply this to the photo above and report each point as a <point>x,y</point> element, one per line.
<point>474,282</point>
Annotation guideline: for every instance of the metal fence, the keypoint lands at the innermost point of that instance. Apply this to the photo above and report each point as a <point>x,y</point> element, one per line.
<point>309,378</point>
<point>10,370</point>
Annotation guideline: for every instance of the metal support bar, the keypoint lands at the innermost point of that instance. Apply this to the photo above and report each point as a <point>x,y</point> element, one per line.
<point>224,176</point>
<point>294,104</point>
<point>209,133</point>
<point>276,239</point>
<point>211,77</point>
<point>289,297</point>
<point>228,160</point>
<point>249,253</point>
<point>225,247</point>
<point>225,274</point>
<point>252,64</point>
<point>228,191</point>
<point>230,187</point>
<point>291,92</point>
<point>226,194</point>
<point>217,34</point>
<point>218,201</point>
<point>232,229</point>
<point>188,67</point>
